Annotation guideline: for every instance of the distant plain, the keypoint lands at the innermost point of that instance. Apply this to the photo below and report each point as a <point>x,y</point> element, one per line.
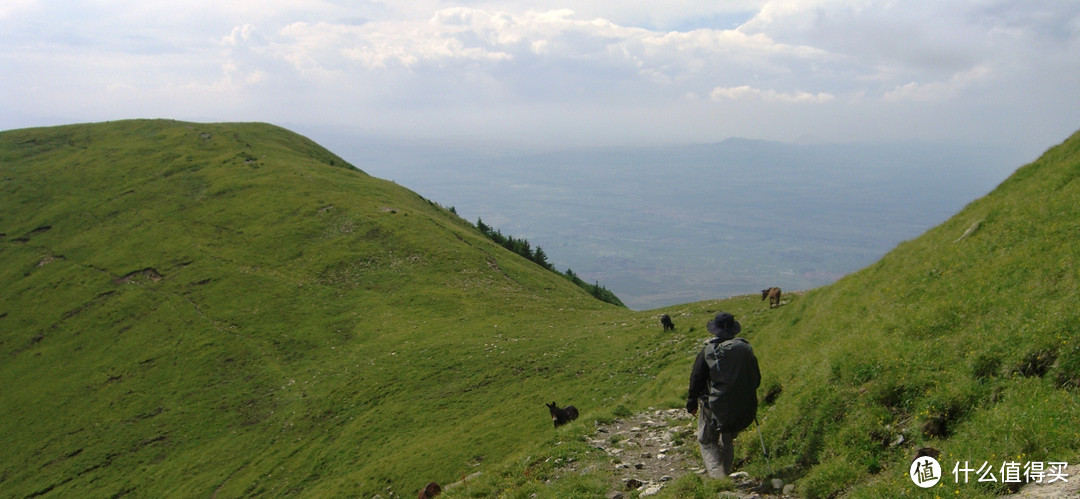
<point>675,224</point>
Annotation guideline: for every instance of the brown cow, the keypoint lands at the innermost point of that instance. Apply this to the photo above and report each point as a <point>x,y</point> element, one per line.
<point>773,294</point>
<point>430,491</point>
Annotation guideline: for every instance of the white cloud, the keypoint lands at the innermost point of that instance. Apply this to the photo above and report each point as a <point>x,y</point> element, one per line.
<point>692,70</point>
<point>239,35</point>
<point>557,44</point>
<point>12,8</point>
<point>937,90</point>
<point>745,92</point>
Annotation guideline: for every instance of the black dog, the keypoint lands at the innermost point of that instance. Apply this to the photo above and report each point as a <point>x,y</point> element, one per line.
<point>562,416</point>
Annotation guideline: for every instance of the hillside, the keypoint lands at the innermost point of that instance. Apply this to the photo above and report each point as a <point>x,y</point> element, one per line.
<point>193,309</point>
<point>965,340</point>
<point>230,309</point>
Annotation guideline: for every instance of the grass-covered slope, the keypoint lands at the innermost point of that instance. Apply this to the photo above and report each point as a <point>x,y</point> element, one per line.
<point>193,308</point>
<point>966,340</point>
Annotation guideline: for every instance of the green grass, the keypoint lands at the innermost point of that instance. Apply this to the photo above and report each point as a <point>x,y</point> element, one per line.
<point>309,330</point>
<point>961,344</point>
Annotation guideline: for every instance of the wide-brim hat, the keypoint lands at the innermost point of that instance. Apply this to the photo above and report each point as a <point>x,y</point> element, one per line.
<point>724,325</point>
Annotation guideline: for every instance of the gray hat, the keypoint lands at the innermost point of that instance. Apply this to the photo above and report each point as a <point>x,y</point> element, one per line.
<point>724,325</point>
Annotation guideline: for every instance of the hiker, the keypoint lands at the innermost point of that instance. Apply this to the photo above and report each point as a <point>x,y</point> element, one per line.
<point>723,385</point>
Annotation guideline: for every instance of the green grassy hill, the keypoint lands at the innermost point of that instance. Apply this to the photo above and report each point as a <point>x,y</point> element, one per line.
<point>965,340</point>
<point>190,309</point>
<point>229,309</point>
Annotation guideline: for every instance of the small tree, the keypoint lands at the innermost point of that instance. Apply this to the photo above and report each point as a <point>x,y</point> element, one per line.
<point>541,258</point>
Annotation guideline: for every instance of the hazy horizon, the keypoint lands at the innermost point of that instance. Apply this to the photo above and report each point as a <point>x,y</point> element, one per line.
<point>661,226</point>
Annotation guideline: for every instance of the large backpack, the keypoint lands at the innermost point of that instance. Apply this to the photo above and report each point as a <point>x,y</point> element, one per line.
<point>733,381</point>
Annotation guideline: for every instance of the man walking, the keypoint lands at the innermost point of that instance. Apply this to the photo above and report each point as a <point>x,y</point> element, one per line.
<point>724,384</point>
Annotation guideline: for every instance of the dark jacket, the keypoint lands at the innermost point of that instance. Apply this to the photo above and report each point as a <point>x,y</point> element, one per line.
<point>726,375</point>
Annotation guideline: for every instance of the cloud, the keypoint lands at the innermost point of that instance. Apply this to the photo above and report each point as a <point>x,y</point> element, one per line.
<point>745,92</point>
<point>506,67</point>
<point>937,90</point>
<point>519,49</point>
<point>240,35</point>
<point>11,8</point>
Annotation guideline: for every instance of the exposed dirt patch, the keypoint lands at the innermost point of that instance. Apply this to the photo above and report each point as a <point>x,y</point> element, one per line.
<point>149,274</point>
<point>654,448</point>
<point>649,449</point>
<point>49,259</point>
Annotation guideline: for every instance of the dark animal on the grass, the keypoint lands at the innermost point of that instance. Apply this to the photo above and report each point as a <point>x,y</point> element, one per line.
<point>430,491</point>
<point>562,416</point>
<point>773,294</point>
<point>665,320</point>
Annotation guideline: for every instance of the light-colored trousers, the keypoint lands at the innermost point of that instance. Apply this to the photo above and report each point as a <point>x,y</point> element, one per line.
<point>717,449</point>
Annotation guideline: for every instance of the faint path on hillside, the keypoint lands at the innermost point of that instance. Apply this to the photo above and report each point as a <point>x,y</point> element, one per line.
<point>656,447</point>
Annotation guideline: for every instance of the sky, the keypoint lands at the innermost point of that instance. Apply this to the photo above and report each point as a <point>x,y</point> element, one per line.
<point>556,73</point>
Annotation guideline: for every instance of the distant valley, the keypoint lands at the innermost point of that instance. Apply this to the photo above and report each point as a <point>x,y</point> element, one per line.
<point>667,225</point>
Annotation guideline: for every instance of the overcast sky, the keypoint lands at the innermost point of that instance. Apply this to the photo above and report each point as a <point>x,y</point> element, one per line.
<point>557,72</point>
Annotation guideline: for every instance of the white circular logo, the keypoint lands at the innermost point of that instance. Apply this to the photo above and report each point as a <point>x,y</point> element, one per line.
<point>925,472</point>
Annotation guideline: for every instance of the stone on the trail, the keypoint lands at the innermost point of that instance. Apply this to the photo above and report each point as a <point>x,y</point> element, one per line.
<point>652,489</point>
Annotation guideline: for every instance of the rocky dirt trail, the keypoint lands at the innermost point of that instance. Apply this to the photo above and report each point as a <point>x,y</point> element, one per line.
<point>656,447</point>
